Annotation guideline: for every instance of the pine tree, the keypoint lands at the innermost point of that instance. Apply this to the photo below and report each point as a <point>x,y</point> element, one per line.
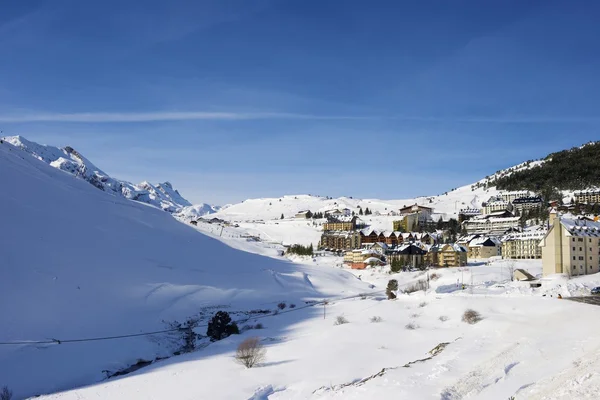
<point>221,326</point>
<point>360,211</point>
<point>281,216</point>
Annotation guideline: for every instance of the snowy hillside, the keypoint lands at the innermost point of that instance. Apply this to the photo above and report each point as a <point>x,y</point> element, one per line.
<point>67,159</point>
<point>78,263</point>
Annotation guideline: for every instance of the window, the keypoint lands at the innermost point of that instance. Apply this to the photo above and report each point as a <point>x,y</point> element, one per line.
<point>573,239</point>
<point>590,240</point>
<point>573,248</point>
<point>573,268</point>
<point>581,267</point>
<point>580,258</point>
<point>573,257</point>
<point>581,249</point>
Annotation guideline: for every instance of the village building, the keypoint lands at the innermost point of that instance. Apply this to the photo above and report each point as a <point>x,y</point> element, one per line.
<point>336,212</point>
<point>527,203</point>
<point>587,196</point>
<point>523,245</point>
<point>483,247</point>
<point>340,240</point>
<point>408,254</point>
<point>571,246</point>
<point>466,214</point>
<point>362,258</point>
<point>343,223</point>
<point>446,255</point>
<point>509,197</point>
<point>415,208</point>
<point>495,204</point>
<point>304,214</point>
<point>491,225</point>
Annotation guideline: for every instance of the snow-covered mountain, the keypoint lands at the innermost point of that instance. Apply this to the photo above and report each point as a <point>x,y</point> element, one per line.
<point>77,262</point>
<point>67,159</point>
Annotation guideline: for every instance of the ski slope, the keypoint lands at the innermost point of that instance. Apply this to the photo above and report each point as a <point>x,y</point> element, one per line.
<point>78,262</point>
<point>528,345</point>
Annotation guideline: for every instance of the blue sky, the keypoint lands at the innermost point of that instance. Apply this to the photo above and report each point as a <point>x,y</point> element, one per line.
<point>236,99</point>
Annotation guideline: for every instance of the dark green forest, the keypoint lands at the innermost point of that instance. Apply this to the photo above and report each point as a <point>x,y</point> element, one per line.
<point>574,169</point>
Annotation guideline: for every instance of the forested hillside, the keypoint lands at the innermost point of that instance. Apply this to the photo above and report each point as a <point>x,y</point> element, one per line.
<point>574,169</point>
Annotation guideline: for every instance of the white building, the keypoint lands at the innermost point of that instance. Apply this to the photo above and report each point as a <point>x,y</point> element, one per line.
<point>523,245</point>
<point>491,225</point>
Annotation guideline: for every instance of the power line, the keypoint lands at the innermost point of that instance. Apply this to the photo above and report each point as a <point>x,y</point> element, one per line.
<point>102,338</point>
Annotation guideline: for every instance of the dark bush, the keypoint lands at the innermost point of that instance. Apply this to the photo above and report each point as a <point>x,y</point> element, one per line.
<point>221,326</point>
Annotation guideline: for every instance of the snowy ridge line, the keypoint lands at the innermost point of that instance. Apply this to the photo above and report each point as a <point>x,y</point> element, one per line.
<point>95,339</point>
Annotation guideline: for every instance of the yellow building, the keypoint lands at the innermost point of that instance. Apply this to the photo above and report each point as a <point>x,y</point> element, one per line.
<point>447,255</point>
<point>571,246</point>
<point>341,224</point>
<point>340,240</point>
<point>590,197</point>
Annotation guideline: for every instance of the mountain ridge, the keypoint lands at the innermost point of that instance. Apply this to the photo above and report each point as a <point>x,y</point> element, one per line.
<point>67,159</point>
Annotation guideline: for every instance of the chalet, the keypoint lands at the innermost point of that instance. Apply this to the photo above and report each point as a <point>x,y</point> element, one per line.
<point>483,247</point>
<point>369,236</point>
<point>304,214</point>
<point>408,254</point>
<point>447,255</point>
<point>415,208</point>
<point>380,248</point>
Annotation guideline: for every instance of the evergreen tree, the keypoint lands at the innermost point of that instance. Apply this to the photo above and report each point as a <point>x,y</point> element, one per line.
<point>221,326</point>
<point>281,216</point>
<point>360,211</point>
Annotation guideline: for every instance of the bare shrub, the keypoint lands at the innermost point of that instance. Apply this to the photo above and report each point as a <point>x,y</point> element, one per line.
<point>411,326</point>
<point>443,318</point>
<point>415,287</point>
<point>340,320</point>
<point>415,315</point>
<point>281,306</point>
<point>6,393</point>
<point>292,305</point>
<point>259,326</point>
<point>376,319</point>
<point>392,287</point>
<point>250,352</point>
<point>434,276</point>
<point>422,304</point>
<point>471,317</point>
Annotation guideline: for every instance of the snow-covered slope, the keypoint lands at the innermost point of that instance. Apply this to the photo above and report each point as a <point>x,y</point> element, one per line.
<point>77,262</point>
<point>69,160</point>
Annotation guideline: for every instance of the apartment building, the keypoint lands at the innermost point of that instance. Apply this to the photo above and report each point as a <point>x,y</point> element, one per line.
<point>588,196</point>
<point>491,225</point>
<point>509,197</point>
<point>343,223</point>
<point>446,255</point>
<point>483,247</point>
<point>523,245</point>
<point>340,240</point>
<point>571,246</point>
<point>527,203</point>
<point>495,205</point>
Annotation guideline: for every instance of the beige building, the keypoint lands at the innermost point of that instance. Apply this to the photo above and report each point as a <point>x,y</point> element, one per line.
<point>344,223</point>
<point>491,225</point>
<point>590,197</point>
<point>571,246</point>
<point>495,205</point>
<point>483,247</point>
<point>523,245</point>
<point>447,255</point>
<point>340,240</point>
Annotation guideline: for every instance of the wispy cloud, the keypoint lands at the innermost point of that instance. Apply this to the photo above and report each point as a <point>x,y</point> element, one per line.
<point>163,116</point>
